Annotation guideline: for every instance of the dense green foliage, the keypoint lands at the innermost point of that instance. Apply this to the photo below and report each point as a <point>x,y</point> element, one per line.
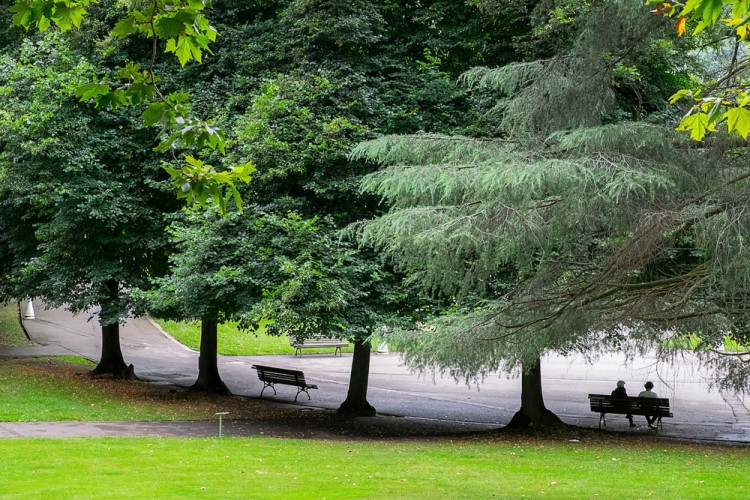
<point>594,227</point>
<point>83,196</point>
<point>721,102</point>
<point>513,159</point>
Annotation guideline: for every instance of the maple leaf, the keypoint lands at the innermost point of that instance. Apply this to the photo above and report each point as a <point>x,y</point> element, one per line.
<point>738,121</point>
<point>697,124</point>
<point>680,25</point>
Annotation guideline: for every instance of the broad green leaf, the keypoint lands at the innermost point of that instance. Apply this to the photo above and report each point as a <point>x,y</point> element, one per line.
<point>154,114</point>
<point>124,27</point>
<point>66,16</point>
<point>738,121</point>
<point>696,123</point>
<point>740,9</point>
<point>197,4</point>
<point>679,95</point>
<point>181,49</point>
<point>23,15</point>
<point>692,5</point>
<point>92,91</point>
<point>114,99</point>
<point>173,25</point>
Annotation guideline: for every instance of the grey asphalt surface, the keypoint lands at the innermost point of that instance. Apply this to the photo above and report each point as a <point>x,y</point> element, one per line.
<point>401,397</point>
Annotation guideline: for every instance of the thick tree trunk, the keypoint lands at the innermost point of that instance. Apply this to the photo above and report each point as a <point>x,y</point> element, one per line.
<point>111,361</point>
<point>209,379</point>
<point>356,404</point>
<point>533,413</point>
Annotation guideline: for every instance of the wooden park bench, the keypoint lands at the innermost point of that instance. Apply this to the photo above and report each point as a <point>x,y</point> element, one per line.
<point>604,404</point>
<point>317,343</point>
<point>271,376</point>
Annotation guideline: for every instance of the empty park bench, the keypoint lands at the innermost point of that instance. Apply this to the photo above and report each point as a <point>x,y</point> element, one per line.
<point>604,404</point>
<point>317,343</point>
<point>270,375</point>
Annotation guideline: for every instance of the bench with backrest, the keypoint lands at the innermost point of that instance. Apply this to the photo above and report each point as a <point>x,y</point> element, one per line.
<point>317,343</point>
<point>271,375</point>
<point>603,404</point>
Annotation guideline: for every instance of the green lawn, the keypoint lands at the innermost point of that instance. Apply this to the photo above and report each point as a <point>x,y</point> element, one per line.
<point>46,390</point>
<point>283,468</point>
<point>233,341</point>
<point>10,331</point>
<point>599,466</point>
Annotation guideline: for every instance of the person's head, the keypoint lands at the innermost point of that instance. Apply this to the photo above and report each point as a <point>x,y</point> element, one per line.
<point>649,386</point>
<point>620,383</point>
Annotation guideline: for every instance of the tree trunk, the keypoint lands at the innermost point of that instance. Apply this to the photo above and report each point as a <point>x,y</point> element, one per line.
<point>356,404</point>
<point>209,379</point>
<point>533,413</point>
<point>111,361</point>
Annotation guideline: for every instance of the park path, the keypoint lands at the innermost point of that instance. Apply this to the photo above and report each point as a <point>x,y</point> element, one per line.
<point>395,391</point>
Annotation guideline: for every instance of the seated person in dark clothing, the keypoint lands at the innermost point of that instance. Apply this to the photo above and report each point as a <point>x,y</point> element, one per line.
<point>620,392</point>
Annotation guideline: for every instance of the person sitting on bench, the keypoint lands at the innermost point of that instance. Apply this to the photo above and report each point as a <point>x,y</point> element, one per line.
<point>648,393</point>
<point>620,392</point>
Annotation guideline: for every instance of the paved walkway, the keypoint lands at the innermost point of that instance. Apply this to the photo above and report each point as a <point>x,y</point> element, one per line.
<point>394,390</point>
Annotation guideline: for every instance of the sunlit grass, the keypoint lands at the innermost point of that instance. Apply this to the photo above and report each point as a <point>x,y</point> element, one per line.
<point>285,468</point>
<point>233,341</point>
<point>11,333</point>
<point>55,390</point>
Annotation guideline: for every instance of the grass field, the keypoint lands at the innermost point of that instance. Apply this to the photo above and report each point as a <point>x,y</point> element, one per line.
<point>283,468</point>
<point>599,465</point>
<point>10,331</point>
<point>58,390</point>
<point>233,341</point>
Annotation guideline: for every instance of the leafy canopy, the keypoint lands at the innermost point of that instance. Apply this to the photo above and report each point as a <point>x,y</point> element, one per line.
<point>188,35</point>
<point>724,102</point>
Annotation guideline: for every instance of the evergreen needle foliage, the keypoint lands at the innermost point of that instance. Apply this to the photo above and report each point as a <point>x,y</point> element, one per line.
<point>583,228</point>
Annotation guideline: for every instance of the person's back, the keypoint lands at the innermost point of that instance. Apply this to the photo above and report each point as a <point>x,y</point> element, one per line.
<point>648,393</point>
<point>620,392</point>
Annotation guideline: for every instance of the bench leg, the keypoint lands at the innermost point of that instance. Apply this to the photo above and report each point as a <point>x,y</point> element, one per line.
<point>267,384</point>
<point>602,418</point>
<point>337,351</point>
<point>298,351</point>
<point>301,390</point>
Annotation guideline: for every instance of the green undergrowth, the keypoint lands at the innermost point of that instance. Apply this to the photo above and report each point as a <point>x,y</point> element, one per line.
<point>233,341</point>
<point>11,333</point>
<point>285,468</point>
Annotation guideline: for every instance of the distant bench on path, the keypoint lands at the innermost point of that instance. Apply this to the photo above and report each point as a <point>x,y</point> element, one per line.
<point>603,404</point>
<point>317,343</point>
